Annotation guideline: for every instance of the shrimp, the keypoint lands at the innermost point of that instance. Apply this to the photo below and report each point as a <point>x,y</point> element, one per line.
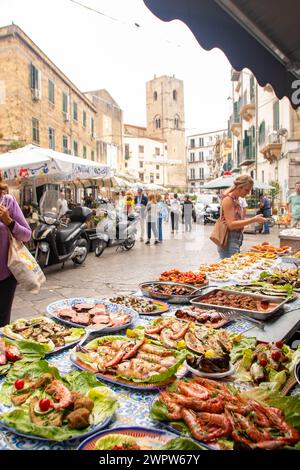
<point>220,426</point>
<point>181,332</point>
<point>193,390</point>
<point>115,360</point>
<point>174,410</point>
<point>213,405</point>
<point>132,351</point>
<point>159,327</point>
<point>60,393</point>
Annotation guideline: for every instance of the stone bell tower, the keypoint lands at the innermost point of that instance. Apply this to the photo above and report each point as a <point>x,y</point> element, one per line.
<point>165,122</point>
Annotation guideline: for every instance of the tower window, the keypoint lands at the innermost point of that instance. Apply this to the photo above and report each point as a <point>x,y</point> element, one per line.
<point>175,95</point>
<point>176,122</point>
<point>157,122</point>
<point>155,95</point>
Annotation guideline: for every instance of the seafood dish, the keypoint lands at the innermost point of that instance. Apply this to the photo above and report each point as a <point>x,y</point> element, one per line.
<point>266,247</point>
<point>170,291</point>
<point>228,300</point>
<point>206,317</point>
<point>140,304</point>
<point>264,288</point>
<point>129,360</point>
<point>267,363</point>
<point>48,406</point>
<point>208,365</point>
<point>12,352</point>
<point>137,438</point>
<point>208,341</point>
<point>168,331</point>
<point>222,417</point>
<point>282,276</point>
<point>45,331</point>
<point>189,277</point>
<point>75,312</point>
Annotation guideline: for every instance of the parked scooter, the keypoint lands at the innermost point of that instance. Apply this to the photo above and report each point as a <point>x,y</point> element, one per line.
<point>59,239</point>
<point>211,213</point>
<point>116,230</point>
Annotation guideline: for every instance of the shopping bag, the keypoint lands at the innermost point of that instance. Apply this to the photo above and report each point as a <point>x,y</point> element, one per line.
<point>219,234</point>
<point>24,267</point>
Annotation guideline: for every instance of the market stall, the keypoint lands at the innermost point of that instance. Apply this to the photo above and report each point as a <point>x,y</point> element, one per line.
<point>226,322</point>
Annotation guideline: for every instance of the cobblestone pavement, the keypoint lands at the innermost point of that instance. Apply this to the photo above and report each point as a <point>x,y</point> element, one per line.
<point>122,271</point>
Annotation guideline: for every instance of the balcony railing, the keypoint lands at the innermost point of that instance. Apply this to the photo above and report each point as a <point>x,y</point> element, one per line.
<point>247,156</point>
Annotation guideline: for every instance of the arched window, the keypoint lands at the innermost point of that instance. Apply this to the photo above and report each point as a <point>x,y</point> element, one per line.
<point>157,122</point>
<point>155,95</point>
<point>176,122</point>
<point>174,95</point>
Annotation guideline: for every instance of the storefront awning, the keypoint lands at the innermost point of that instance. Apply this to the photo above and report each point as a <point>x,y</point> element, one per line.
<point>263,36</point>
<point>227,181</point>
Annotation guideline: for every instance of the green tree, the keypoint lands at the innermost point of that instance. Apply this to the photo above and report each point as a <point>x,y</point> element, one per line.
<point>274,191</point>
<point>16,144</point>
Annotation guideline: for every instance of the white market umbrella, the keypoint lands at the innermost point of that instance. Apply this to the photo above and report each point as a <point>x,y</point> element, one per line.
<point>227,181</point>
<point>154,187</point>
<point>32,162</point>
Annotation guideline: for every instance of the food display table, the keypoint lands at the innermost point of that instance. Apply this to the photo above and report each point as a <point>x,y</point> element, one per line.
<point>290,237</point>
<point>134,405</point>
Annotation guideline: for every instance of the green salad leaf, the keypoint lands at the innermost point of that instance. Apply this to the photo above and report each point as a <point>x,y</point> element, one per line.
<point>105,401</point>
<point>240,346</point>
<point>182,443</point>
<point>29,350</point>
<point>75,334</point>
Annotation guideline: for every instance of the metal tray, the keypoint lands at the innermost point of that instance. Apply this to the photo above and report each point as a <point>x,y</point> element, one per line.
<point>251,313</point>
<point>173,299</point>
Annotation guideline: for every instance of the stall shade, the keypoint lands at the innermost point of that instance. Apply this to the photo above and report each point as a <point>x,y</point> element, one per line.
<point>36,162</point>
<point>227,181</point>
<point>262,36</point>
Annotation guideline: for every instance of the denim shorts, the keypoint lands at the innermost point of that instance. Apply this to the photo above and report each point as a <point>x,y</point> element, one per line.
<point>235,240</point>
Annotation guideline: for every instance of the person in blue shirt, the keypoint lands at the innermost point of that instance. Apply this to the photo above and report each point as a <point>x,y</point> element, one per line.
<point>162,212</point>
<point>265,210</point>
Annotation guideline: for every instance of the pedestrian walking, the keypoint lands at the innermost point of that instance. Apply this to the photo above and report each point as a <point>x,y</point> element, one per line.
<point>175,211</point>
<point>162,212</point>
<point>265,211</point>
<point>187,213</point>
<point>151,211</point>
<point>12,223</point>
<point>140,202</point>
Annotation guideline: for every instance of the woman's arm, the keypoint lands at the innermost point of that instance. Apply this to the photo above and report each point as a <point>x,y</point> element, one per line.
<point>21,230</point>
<point>229,216</point>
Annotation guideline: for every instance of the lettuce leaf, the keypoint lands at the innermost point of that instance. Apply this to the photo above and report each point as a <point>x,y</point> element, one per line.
<point>105,402</point>
<point>240,346</point>
<point>29,350</point>
<point>182,443</point>
<point>75,334</point>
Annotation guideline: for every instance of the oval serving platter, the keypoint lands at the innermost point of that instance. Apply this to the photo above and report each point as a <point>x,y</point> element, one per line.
<point>114,308</point>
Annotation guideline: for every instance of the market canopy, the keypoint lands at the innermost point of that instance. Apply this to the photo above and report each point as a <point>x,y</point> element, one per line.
<point>227,181</point>
<point>36,162</point>
<point>263,36</point>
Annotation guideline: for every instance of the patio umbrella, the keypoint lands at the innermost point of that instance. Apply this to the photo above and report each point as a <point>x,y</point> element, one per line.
<point>227,181</point>
<point>33,162</point>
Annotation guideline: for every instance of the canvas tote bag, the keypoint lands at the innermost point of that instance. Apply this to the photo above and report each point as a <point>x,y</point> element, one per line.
<point>220,232</point>
<point>24,266</point>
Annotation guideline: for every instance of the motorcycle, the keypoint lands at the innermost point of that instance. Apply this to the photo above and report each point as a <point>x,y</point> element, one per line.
<point>116,230</point>
<point>208,214</point>
<point>58,239</point>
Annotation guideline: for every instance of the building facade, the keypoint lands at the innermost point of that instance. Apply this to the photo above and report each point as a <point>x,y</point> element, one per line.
<point>204,152</point>
<point>265,133</point>
<point>166,123</point>
<point>109,128</point>
<point>143,157</point>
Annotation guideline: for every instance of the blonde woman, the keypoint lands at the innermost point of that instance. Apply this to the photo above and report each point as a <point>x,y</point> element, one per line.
<point>233,214</point>
<point>152,213</point>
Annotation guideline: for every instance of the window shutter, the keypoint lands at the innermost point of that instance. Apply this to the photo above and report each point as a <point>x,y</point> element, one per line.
<point>276,115</point>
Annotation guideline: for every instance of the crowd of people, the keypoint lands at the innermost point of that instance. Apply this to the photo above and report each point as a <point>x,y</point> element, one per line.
<point>154,210</point>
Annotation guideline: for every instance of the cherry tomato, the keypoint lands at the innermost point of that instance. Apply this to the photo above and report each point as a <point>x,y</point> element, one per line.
<point>279,344</point>
<point>45,404</point>
<point>19,384</point>
<point>263,361</point>
<point>276,355</point>
<point>10,356</point>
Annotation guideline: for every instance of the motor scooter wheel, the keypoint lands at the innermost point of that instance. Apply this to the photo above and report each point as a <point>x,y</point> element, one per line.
<point>101,245</point>
<point>129,244</point>
<point>81,258</point>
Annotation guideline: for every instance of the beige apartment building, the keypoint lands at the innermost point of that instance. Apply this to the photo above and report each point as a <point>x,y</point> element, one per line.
<point>40,105</point>
<point>166,123</point>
